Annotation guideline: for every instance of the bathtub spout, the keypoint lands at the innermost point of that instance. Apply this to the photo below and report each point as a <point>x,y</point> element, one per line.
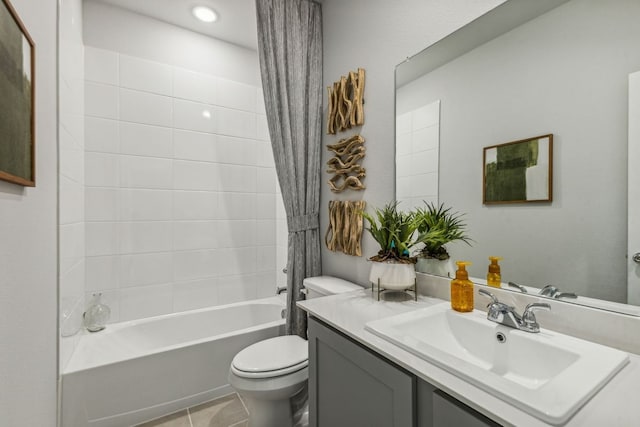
<point>281,289</point>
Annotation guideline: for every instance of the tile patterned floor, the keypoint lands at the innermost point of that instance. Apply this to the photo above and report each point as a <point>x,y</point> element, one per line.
<point>227,411</point>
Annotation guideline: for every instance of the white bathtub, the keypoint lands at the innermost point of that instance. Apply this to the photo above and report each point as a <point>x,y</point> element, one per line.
<point>138,370</point>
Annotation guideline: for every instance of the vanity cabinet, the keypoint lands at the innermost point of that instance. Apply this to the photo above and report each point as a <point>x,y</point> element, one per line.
<point>351,386</point>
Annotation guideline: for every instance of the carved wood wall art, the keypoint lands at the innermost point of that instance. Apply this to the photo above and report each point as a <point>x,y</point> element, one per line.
<point>345,226</point>
<point>346,99</point>
<point>348,173</point>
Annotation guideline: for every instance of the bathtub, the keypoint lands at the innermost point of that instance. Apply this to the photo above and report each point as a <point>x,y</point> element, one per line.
<point>139,370</point>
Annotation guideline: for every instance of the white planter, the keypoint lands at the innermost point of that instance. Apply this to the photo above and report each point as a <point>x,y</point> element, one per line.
<point>392,275</point>
<point>437,267</point>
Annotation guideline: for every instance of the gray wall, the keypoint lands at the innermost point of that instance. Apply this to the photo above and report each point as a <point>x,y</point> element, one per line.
<point>556,74</point>
<point>28,251</point>
<point>377,35</point>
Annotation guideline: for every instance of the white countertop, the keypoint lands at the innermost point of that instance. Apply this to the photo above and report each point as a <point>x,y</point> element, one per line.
<point>614,405</point>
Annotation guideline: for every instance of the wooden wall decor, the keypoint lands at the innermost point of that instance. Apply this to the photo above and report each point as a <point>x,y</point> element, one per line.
<point>345,164</point>
<point>346,100</point>
<point>345,226</point>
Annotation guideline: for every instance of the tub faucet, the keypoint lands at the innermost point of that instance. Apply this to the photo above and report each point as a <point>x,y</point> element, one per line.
<point>281,289</point>
<point>506,315</point>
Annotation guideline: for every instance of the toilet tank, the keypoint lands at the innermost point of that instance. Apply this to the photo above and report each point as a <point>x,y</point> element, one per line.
<point>320,286</point>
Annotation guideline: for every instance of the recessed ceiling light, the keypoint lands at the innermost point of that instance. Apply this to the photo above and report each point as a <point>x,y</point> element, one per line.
<point>205,14</point>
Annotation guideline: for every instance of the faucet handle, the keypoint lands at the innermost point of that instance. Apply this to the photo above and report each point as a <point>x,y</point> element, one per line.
<point>494,300</point>
<point>529,318</point>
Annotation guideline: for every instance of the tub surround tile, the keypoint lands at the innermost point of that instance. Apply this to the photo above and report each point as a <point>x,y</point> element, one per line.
<point>195,205</point>
<point>101,135</point>
<point>145,140</point>
<point>101,100</point>
<point>195,294</point>
<point>190,175</point>
<point>147,76</point>
<point>145,301</point>
<point>194,86</point>
<point>194,116</point>
<point>145,108</point>
<point>237,96</point>
<point>190,145</point>
<point>101,170</point>
<point>146,269</point>
<point>179,190</point>
<point>100,65</point>
<point>145,205</point>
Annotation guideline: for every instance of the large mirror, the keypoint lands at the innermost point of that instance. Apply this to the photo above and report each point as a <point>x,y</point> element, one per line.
<point>522,70</point>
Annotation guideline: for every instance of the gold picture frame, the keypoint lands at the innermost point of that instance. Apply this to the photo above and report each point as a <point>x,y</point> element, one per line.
<point>519,171</point>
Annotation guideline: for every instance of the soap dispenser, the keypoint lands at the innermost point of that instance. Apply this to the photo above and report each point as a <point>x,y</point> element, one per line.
<point>462,289</point>
<point>493,276</point>
<point>97,315</point>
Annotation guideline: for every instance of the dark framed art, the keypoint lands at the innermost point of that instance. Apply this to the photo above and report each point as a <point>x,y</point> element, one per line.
<point>17,122</point>
<point>519,171</point>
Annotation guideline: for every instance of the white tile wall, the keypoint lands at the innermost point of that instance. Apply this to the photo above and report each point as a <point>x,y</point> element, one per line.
<point>181,198</point>
<point>417,143</point>
<point>71,79</point>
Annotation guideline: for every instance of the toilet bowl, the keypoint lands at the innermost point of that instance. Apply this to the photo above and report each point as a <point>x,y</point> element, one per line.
<point>269,373</point>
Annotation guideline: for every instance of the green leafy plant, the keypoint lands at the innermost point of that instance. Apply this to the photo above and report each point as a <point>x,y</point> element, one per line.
<point>394,231</point>
<point>438,226</point>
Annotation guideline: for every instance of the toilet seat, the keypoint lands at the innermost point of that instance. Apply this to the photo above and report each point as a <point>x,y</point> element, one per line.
<point>272,358</point>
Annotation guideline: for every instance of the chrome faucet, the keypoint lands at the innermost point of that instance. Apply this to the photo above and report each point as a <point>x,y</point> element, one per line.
<point>506,315</point>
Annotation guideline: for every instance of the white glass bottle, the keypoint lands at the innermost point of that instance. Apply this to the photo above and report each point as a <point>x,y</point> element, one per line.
<point>97,315</point>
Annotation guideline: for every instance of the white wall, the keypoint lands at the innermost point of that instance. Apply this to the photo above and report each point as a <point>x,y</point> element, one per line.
<point>28,251</point>
<point>181,185</point>
<point>555,74</point>
<point>71,176</point>
<point>377,35</point>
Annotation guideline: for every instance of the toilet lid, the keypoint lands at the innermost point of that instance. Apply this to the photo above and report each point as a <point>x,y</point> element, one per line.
<point>272,357</point>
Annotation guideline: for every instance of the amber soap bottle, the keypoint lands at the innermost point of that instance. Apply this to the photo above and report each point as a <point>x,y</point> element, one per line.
<point>462,289</point>
<point>494,279</point>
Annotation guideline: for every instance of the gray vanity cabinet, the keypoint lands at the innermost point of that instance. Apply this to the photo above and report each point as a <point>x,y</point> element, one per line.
<point>351,386</point>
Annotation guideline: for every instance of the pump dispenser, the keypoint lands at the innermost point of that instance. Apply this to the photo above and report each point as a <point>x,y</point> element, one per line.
<point>462,289</point>
<point>493,276</point>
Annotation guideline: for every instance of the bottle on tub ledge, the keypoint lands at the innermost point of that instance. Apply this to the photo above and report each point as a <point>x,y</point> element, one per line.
<point>97,315</point>
<point>494,279</point>
<point>462,289</point>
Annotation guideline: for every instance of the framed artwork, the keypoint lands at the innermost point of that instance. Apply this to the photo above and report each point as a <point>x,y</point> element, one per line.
<point>519,171</point>
<point>17,141</point>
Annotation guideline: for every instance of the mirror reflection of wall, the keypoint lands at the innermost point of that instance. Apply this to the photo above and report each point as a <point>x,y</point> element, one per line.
<point>417,150</point>
<point>564,73</point>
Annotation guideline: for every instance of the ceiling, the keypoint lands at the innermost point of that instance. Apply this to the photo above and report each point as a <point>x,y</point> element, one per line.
<point>236,22</point>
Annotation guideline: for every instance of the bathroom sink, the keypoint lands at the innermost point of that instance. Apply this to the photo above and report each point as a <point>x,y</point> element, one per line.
<point>547,374</point>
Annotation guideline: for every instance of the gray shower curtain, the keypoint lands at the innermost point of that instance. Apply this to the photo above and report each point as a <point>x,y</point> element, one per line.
<point>290,51</point>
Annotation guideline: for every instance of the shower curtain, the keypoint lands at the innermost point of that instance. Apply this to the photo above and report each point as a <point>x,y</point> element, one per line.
<point>290,52</point>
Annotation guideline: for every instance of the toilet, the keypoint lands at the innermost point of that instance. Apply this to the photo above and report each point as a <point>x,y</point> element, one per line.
<point>269,373</point>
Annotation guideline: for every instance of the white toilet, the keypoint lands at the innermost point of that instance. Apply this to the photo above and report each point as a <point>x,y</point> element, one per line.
<point>269,373</point>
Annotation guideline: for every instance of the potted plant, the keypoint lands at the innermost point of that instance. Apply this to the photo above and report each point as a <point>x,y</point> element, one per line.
<point>393,266</point>
<point>436,227</point>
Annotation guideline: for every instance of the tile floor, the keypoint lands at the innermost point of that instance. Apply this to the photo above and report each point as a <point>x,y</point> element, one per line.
<point>226,411</point>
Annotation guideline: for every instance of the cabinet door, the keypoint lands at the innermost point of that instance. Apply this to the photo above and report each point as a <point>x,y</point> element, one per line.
<point>448,412</point>
<point>351,387</point>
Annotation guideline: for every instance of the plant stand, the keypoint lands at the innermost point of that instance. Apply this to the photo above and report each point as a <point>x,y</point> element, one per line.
<point>409,290</point>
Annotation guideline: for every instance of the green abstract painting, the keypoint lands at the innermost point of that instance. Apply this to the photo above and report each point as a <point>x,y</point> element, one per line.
<point>519,171</point>
<point>16,102</point>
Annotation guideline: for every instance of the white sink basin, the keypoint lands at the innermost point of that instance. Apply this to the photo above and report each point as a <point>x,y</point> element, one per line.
<point>547,374</point>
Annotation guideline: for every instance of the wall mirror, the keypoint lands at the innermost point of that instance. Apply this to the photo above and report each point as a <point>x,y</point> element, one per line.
<point>524,69</point>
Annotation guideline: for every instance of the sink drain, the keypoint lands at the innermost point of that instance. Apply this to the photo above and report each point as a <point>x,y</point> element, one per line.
<point>501,337</point>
